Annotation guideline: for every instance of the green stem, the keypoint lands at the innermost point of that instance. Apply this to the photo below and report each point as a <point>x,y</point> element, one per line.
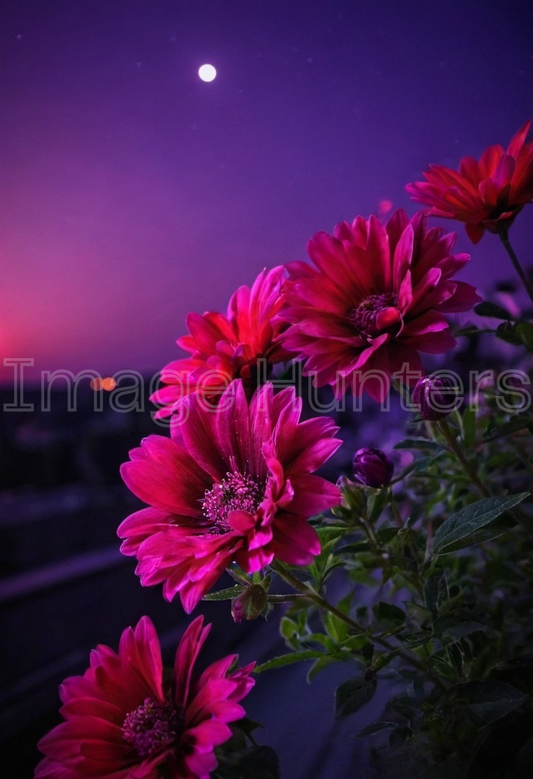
<point>461,456</point>
<point>516,513</point>
<point>504,235</point>
<point>324,604</point>
<point>395,510</point>
<point>286,597</point>
<point>239,577</point>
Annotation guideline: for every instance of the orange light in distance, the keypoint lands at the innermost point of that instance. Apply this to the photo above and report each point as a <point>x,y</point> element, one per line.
<point>106,384</point>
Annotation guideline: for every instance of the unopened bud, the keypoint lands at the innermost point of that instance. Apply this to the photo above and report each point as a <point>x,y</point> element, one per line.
<point>435,396</point>
<point>372,467</point>
<point>249,604</point>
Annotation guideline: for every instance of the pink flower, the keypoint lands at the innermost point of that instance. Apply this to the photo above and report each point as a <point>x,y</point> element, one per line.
<point>377,299</point>
<point>124,720</point>
<point>224,348</point>
<point>486,195</point>
<point>233,483</point>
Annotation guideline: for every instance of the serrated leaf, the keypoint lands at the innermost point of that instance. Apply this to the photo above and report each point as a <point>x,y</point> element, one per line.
<point>292,657</point>
<point>476,523</point>
<point>352,695</point>
<point>226,594</point>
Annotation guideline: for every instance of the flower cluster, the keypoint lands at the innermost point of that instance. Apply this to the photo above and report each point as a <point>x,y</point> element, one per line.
<point>234,487</point>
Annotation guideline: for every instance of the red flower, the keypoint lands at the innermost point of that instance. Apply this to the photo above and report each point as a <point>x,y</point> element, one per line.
<point>378,298</point>
<point>233,483</point>
<point>122,720</point>
<point>486,195</point>
<point>228,347</point>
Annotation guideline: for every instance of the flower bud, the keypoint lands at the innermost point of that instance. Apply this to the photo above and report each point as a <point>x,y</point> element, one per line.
<point>435,396</point>
<point>249,604</point>
<point>372,467</point>
<point>352,498</point>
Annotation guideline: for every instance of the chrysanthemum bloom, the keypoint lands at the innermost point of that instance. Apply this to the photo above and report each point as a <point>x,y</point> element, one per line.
<point>124,720</point>
<point>240,345</point>
<point>377,299</point>
<point>233,483</point>
<point>486,195</point>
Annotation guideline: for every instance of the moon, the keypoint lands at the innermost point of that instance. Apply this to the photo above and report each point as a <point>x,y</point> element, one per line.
<point>207,72</point>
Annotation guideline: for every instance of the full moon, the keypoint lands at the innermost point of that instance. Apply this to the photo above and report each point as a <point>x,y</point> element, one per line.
<point>207,73</point>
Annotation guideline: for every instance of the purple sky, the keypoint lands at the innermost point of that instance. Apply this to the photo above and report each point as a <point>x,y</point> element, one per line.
<point>132,192</point>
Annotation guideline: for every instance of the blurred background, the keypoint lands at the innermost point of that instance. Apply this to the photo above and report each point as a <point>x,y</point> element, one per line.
<point>133,192</point>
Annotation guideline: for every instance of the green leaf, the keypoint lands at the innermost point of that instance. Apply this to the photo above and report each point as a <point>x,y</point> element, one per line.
<point>293,657</point>
<point>386,534</point>
<point>319,665</point>
<point>352,695</point>
<point>247,725</point>
<point>227,594</point>
<point>337,628</point>
<point>461,629</point>
<point>376,502</point>
<point>469,427</point>
<point>525,331</point>
<point>375,727</point>
<point>507,332</point>
<point>319,638</point>
<point>405,705</point>
<point>412,640</point>
<point>519,422</point>
<point>288,628</point>
<point>436,592</point>
<point>387,614</point>
<point>419,443</point>
<point>490,700</point>
<point>257,762</point>
<point>492,310</point>
<point>475,523</point>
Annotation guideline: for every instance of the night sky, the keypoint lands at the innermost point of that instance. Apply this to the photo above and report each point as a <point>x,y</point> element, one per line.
<point>132,192</point>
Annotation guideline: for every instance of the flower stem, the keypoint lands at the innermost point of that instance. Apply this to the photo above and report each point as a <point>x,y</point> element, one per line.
<point>361,630</point>
<point>461,456</point>
<point>504,235</point>
<point>395,510</point>
<point>286,597</point>
<point>516,513</point>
